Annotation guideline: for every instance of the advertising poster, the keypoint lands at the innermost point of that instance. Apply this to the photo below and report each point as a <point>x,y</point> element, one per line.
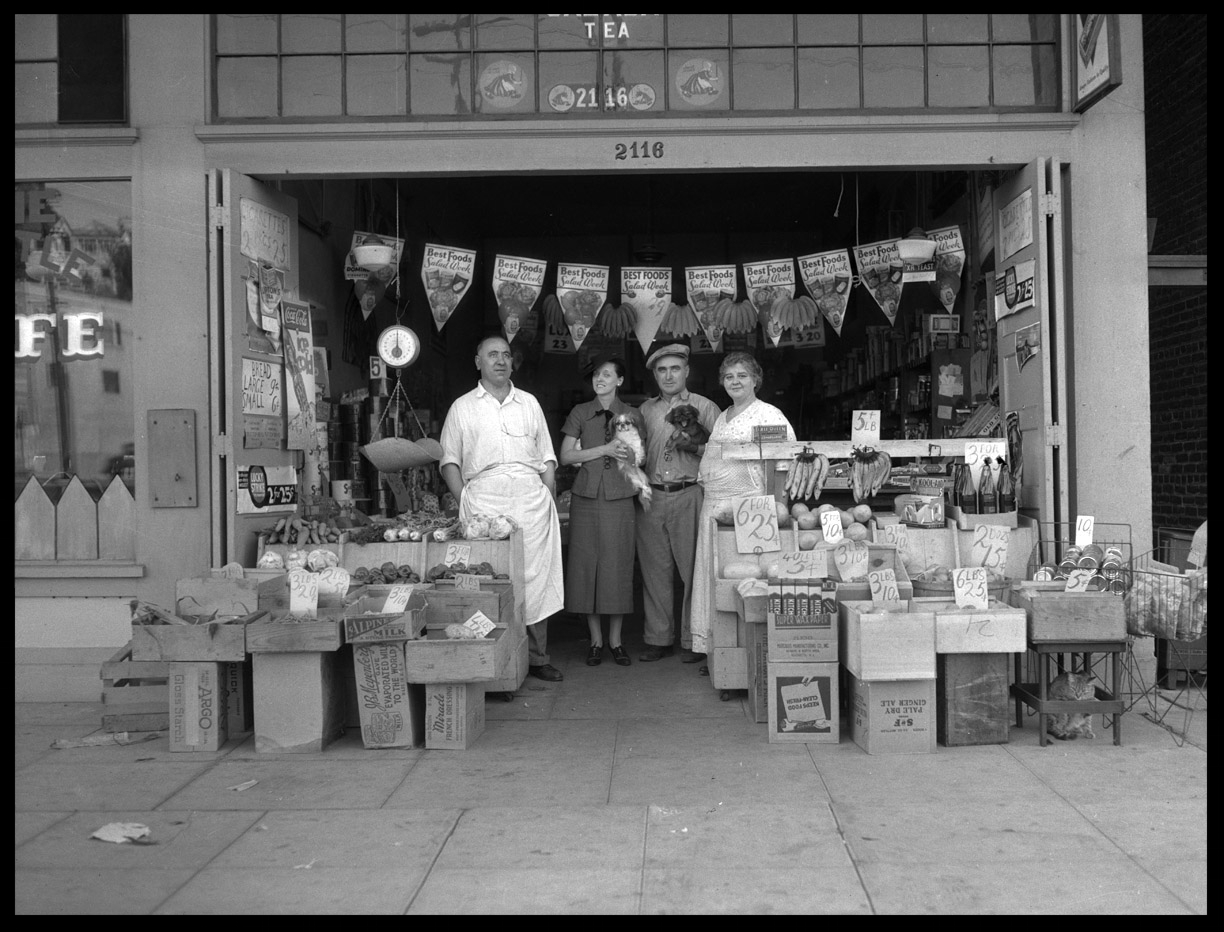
<point>706,286</point>
<point>1028,344</point>
<point>267,489</point>
<point>557,338</point>
<point>1015,289</point>
<point>767,282</point>
<point>648,291</point>
<point>447,275</point>
<point>299,369</point>
<point>827,277</point>
<point>803,704</point>
<point>263,411</point>
<point>581,292</point>
<point>257,340</point>
<point>516,285</point>
<point>271,293</point>
<point>1096,62</point>
<point>949,263</point>
<point>880,269</point>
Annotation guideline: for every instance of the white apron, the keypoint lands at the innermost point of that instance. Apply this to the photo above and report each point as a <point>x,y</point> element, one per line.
<point>520,493</point>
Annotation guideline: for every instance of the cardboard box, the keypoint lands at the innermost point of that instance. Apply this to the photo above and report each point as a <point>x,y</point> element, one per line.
<point>510,677</point>
<point>899,645</point>
<point>392,710</point>
<point>758,671</point>
<point>218,641</point>
<point>893,716</point>
<point>436,659</point>
<point>967,522</point>
<point>799,712</point>
<point>802,621</point>
<point>997,629</point>
<point>301,700</point>
<point>1072,616</point>
<point>454,715</point>
<point>275,634</point>
<point>971,699</point>
<point>728,667</point>
<point>239,695</point>
<point>198,715</point>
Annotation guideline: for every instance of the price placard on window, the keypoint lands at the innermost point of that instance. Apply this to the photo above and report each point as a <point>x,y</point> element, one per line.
<point>989,547</point>
<point>865,429</point>
<point>457,553</point>
<point>830,524</point>
<point>807,564</point>
<point>1077,580</point>
<point>756,525</point>
<point>894,534</point>
<point>851,558</point>
<point>883,585</point>
<point>1083,530</point>
<point>969,585</point>
<point>303,594</point>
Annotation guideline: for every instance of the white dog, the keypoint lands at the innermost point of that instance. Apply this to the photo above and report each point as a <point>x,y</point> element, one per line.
<point>625,428</point>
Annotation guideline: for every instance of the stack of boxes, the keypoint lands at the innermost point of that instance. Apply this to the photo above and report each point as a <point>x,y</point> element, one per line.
<point>800,675</point>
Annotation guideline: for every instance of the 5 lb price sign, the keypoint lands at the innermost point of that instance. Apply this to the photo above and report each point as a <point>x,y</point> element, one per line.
<point>883,585</point>
<point>865,429</point>
<point>969,585</point>
<point>989,547</point>
<point>756,525</point>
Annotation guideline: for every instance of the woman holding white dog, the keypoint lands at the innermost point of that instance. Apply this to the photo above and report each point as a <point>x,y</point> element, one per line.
<point>599,576</point>
<point>723,480</point>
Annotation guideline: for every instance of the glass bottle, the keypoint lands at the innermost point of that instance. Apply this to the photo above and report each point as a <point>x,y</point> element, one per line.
<point>1006,488</point>
<point>966,494</point>
<point>988,496</point>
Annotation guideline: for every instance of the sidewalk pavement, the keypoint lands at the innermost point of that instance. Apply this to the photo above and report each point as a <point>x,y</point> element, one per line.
<point>621,790</point>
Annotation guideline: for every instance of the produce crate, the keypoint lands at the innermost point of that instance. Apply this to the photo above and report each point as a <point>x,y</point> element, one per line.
<point>997,629</point>
<point>450,605</point>
<point>213,641</point>
<point>274,596</point>
<point>895,646</point>
<point>273,634</point>
<point>758,671</point>
<point>971,701</point>
<point>880,557</point>
<point>803,712</point>
<point>228,597</point>
<point>967,522</point>
<point>438,659</point>
<point>284,549</point>
<point>505,556</point>
<point>365,622</point>
<point>135,694</point>
<point>374,555</point>
<point>893,716</point>
<point>1071,616</point>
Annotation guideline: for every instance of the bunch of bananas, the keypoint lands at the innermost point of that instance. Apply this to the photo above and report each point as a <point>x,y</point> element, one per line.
<point>869,470</point>
<point>796,313</point>
<point>807,476</point>
<point>736,316</point>
<point>680,321</point>
<point>554,315</point>
<point>617,321</point>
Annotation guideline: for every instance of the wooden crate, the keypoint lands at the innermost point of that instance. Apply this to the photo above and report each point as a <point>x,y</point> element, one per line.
<point>967,522</point>
<point>197,596</point>
<point>199,715</point>
<point>272,634</point>
<point>217,641</point>
<point>892,716</point>
<point>365,623</point>
<point>135,694</point>
<point>879,557</point>
<point>454,715</point>
<point>728,667</point>
<point>876,647</point>
<point>1072,616</point>
<point>374,555</point>
<point>437,659</point>
<point>505,556</point>
<point>448,605</point>
<point>300,706</point>
<point>997,629</point>
<point>283,549</point>
<point>274,597</point>
<point>510,677</point>
<point>799,712</point>
<point>971,699</point>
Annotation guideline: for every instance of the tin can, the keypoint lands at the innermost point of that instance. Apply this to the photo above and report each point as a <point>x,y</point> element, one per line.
<point>1098,583</point>
<point>1087,561</point>
<point>1112,558</point>
<point>1045,572</point>
<point>1066,565</point>
<point>1117,585</point>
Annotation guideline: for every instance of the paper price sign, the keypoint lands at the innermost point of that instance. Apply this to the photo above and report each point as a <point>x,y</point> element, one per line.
<point>883,585</point>
<point>830,524</point>
<point>977,450</point>
<point>467,581</point>
<point>1077,580</point>
<point>333,581</point>
<point>1083,530</point>
<point>865,428</point>
<point>807,564</point>
<point>893,534</point>
<point>756,525</point>
<point>303,593</point>
<point>850,557</point>
<point>480,623</point>
<point>989,547</point>
<point>969,585</point>
<point>397,599</point>
<point>457,553</point>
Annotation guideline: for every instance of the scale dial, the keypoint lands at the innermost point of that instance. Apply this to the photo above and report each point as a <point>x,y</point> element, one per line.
<point>398,346</point>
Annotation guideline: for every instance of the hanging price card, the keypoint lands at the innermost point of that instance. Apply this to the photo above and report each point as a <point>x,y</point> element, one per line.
<point>865,429</point>
<point>1077,580</point>
<point>830,524</point>
<point>851,557</point>
<point>883,585</point>
<point>480,623</point>
<point>397,599</point>
<point>894,534</point>
<point>457,553</point>
<point>756,525</point>
<point>467,581</point>
<point>969,585</point>
<point>1083,530</point>
<point>333,582</point>
<point>806,564</point>
<point>977,450</point>
<point>303,594</point>
<point>989,547</point>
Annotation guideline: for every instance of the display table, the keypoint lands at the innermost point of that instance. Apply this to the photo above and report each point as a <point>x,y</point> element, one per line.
<point>1035,695</point>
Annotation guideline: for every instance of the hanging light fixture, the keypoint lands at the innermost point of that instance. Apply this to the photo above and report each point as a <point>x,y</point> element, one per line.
<point>916,247</point>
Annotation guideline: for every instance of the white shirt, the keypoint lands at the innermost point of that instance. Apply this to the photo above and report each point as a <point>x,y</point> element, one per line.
<point>482,434</point>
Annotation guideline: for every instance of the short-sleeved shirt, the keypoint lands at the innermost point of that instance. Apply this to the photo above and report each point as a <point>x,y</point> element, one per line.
<point>482,434</point>
<point>588,423</point>
<point>664,465</point>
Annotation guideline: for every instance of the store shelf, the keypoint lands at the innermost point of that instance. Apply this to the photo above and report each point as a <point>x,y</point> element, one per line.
<point>844,449</point>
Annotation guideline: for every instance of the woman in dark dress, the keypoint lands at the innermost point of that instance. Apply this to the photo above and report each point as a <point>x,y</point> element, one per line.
<point>599,576</point>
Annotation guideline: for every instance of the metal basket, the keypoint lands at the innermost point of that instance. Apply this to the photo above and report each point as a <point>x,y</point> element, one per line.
<point>1055,540</point>
<point>1163,602</point>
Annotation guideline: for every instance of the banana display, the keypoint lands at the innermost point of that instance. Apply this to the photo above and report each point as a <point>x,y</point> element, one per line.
<point>796,313</point>
<point>869,470</point>
<point>736,316</point>
<point>807,476</point>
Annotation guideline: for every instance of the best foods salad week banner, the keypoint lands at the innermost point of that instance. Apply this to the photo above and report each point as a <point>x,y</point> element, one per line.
<point>447,275</point>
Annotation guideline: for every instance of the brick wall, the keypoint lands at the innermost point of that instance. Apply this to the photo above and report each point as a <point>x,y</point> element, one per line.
<point>1175,74</point>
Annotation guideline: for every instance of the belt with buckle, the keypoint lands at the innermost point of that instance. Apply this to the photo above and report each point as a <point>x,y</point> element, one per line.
<point>672,486</point>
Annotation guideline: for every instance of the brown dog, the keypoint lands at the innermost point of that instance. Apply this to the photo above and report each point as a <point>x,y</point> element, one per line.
<point>688,433</point>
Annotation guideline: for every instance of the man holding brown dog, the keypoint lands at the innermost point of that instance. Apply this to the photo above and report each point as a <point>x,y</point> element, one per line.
<point>667,532</point>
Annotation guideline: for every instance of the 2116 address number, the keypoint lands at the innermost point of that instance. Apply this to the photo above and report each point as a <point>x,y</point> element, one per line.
<point>638,150</point>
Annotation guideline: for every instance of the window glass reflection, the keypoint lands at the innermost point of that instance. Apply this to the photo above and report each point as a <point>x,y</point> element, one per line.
<point>1025,76</point>
<point>890,28</point>
<point>567,31</point>
<point>957,27</point>
<point>753,29</point>
<point>439,31</point>
<point>892,77</point>
<point>375,85</point>
<point>311,86</point>
<point>828,78</point>
<point>764,79</point>
<point>505,30</point>
<point>1024,27</point>
<point>440,84</point>
<point>310,32</point>
<point>375,32</point>
<point>959,76</point>
<point>246,88</point>
<point>828,29</point>
<point>246,33</point>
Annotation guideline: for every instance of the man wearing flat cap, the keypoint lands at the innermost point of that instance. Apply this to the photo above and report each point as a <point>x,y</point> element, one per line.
<point>667,532</point>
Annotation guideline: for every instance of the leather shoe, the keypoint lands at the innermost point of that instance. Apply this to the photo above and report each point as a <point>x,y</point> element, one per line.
<point>546,672</point>
<point>691,656</point>
<point>621,656</point>
<point>652,653</point>
<point>595,655</point>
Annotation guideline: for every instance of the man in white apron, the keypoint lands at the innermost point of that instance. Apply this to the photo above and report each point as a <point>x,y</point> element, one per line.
<point>498,459</point>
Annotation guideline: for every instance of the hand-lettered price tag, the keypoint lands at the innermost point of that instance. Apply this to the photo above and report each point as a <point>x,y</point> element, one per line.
<point>457,553</point>
<point>894,534</point>
<point>883,585</point>
<point>467,581</point>
<point>976,450</point>
<point>397,599</point>
<point>805,564</point>
<point>1077,580</point>
<point>989,547</point>
<point>969,584</point>
<point>333,582</point>
<point>851,557</point>
<point>303,594</point>
<point>1083,530</point>
<point>865,428</point>
<point>756,525</point>
<point>480,623</point>
<point>830,524</point>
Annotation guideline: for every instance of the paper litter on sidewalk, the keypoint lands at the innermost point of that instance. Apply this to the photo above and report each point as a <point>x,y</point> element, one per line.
<point>123,833</point>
